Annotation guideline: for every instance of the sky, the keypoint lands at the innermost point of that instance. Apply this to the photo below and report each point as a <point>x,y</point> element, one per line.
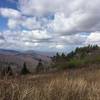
<point>49,25</point>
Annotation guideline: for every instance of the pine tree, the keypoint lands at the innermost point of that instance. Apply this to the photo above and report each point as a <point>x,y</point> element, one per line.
<point>24,70</point>
<point>71,54</point>
<point>9,70</point>
<point>57,55</point>
<point>63,55</point>
<point>39,67</point>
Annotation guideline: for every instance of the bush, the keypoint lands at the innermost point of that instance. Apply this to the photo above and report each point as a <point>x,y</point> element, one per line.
<point>61,65</point>
<point>75,63</point>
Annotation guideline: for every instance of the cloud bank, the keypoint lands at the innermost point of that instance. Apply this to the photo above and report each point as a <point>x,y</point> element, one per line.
<point>51,24</point>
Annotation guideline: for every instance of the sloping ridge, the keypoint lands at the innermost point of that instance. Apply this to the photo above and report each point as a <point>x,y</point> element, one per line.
<point>17,58</point>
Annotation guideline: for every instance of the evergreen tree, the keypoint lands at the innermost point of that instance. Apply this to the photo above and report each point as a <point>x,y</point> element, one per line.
<point>95,47</point>
<point>63,55</point>
<point>9,70</point>
<point>57,55</point>
<point>39,67</point>
<point>71,54</point>
<point>24,70</point>
<point>77,49</point>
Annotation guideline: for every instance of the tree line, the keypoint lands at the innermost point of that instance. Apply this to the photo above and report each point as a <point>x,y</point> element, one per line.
<point>80,57</point>
<point>7,71</point>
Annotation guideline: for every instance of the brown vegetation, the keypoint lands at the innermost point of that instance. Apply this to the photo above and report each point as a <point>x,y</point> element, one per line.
<point>80,84</point>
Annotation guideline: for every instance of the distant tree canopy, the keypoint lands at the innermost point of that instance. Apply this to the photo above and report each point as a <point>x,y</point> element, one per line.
<point>83,51</point>
<point>39,67</point>
<point>59,61</point>
<point>76,58</point>
<point>24,70</point>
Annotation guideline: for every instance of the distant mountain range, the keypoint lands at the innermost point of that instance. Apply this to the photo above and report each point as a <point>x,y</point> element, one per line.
<point>17,58</point>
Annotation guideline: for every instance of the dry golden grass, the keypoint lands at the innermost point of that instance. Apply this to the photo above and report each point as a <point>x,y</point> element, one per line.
<point>70,85</point>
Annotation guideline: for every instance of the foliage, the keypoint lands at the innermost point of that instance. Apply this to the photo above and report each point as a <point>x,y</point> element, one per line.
<point>39,67</point>
<point>75,63</point>
<point>24,70</point>
<point>59,61</point>
<point>77,58</point>
<point>70,55</point>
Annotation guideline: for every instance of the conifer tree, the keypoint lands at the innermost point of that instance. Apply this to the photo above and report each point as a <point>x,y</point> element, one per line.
<point>57,55</point>
<point>24,70</point>
<point>63,55</point>
<point>39,67</point>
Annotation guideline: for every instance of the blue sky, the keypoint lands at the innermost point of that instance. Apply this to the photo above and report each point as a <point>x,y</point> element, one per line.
<point>6,4</point>
<point>45,25</point>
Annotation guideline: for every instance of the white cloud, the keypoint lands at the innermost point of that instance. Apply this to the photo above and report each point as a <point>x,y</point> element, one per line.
<point>75,23</point>
<point>10,13</point>
<point>40,7</point>
<point>56,46</point>
<point>23,39</point>
<point>32,7</point>
<point>52,24</point>
<point>70,16</point>
<point>12,23</point>
<point>40,39</point>
<point>35,34</point>
<point>30,23</point>
<point>93,38</point>
<point>76,39</point>
<point>59,46</point>
<point>61,23</point>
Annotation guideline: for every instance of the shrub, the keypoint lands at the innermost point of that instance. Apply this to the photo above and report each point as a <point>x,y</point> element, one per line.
<point>75,63</point>
<point>61,65</point>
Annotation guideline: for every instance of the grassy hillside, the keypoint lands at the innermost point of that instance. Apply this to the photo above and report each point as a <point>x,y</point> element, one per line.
<point>69,85</point>
<point>80,79</point>
<point>79,58</point>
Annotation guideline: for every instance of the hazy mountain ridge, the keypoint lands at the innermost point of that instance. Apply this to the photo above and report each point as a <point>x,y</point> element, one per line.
<point>17,58</point>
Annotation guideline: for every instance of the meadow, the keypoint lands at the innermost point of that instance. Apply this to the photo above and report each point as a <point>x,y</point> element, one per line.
<point>77,84</point>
